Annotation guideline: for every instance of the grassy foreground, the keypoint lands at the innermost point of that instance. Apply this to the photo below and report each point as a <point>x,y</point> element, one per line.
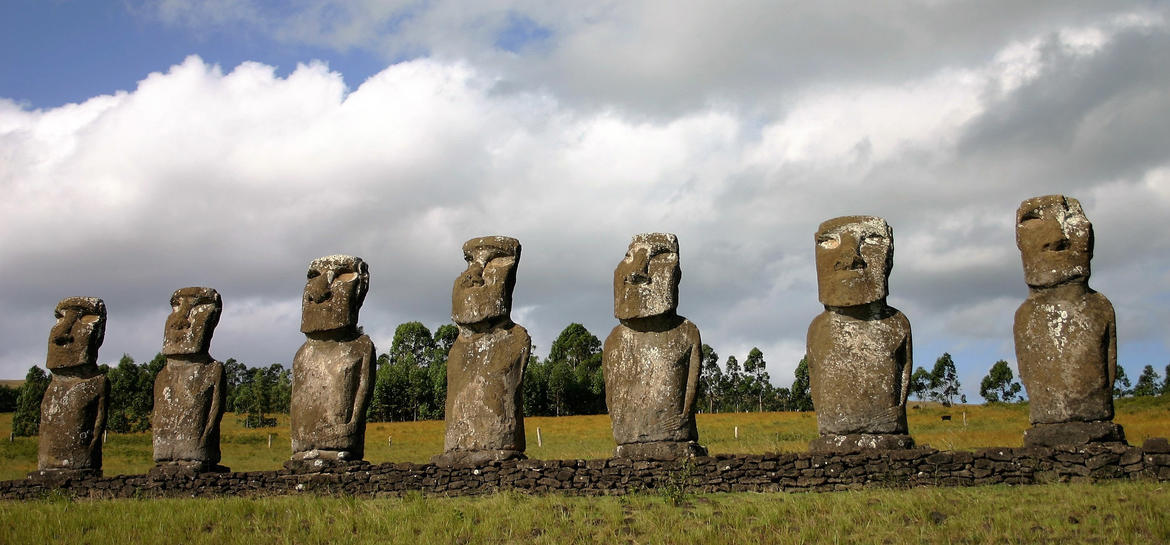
<point>586,437</point>
<point>1123,512</point>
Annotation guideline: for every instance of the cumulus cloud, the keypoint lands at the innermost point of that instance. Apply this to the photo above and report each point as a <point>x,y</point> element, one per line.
<point>740,129</point>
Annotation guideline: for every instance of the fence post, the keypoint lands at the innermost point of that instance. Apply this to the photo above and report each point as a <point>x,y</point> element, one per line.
<point>539,440</point>
<point>737,433</point>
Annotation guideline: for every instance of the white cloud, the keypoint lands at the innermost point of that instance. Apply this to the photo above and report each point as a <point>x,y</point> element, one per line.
<point>738,129</point>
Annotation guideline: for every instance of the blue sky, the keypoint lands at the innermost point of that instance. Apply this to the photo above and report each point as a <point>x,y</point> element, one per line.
<point>252,137</point>
<point>56,52</point>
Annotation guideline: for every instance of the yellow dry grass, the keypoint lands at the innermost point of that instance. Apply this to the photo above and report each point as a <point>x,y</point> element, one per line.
<point>586,437</point>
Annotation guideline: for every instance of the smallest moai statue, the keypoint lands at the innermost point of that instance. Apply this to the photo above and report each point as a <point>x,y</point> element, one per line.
<point>485,367</point>
<point>651,359</point>
<point>333,372</point>
<point>73,411</point>
<point>859,349</point>
<point>1065,333</point>
<point>189,391</point>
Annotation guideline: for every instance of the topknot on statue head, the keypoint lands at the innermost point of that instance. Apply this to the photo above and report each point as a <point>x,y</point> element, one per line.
<point>1055,239</point>
<point>854,257</point>
<point>195,312</point>
<point>483,291</point>
<point>334,292</point>
<point>78,333</point>
<point>645,282</point>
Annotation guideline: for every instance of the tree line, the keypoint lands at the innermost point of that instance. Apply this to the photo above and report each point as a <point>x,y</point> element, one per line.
<point>411,383</point>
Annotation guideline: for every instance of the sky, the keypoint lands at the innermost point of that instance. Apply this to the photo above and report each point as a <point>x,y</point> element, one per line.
<point>148,146</point>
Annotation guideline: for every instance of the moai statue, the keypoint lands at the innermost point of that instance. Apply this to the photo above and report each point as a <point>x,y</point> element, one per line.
<point>333,372</point>
<point>73,411</point>
<point>1065,333</point>
<point>651,360</point>
<point>485,367</point>
<point>859,350</point>
<point>189,391</point>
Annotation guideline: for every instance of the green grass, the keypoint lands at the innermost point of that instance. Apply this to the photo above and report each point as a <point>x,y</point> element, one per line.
<point>1123,512</point>
<point>588,437</point>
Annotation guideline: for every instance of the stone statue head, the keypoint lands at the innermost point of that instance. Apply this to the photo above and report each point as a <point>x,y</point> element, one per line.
<point>78,333</point>
<point>645,282</point>
<point>334,292</point>
<point>194,314</point>
<point>854,257</point>
<point>484,291</point>
<point>1055,240</point>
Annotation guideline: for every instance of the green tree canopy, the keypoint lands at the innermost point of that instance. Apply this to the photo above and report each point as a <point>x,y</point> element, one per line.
<point>801,397</point>
<point>1121,385</point>
<point>944,380</point>
<point>27,419</point>
<point>1148,383</point>
<point>999,384</point>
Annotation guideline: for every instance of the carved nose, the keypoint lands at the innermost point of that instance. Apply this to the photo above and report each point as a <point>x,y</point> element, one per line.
<point>638,277</point>
<point>473,278</point>
<point>1056,245</point>
<point>849,263</point>
<point>641,265</point>
<point>318,290</point>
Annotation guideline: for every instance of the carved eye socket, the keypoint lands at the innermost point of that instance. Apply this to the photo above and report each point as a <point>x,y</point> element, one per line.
<point>829,241</point>
<point>1033,214</point>
<point>90,318</point>
<point>346,277</point>
<point>874,238</point>
<point>313,273</point>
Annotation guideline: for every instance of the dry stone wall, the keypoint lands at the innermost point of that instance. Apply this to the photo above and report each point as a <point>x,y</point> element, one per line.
<point>723,473</point>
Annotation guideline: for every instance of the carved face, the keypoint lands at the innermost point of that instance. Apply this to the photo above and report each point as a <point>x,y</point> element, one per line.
<point>645,283</point>
<point>854,258</point>
<point>78,333</point>
<point>1055,240</point>
<point>484,291</point>
<point>334,292</point>
<point>194,315</point>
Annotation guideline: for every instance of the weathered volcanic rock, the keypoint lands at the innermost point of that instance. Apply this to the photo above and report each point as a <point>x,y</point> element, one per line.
<point>73,410</point>
<point>859,348</point>
<point>333,372</point>
<point>1065,333</point>
<point>485,366</point>
<point>651,359</point>
<point>189,391</point>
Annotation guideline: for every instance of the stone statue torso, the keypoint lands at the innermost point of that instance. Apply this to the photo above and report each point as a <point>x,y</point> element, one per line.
<point>73,414</point>
<point>859,372</point>
<point>188,407</point>
<point>484,408</point>
<point>649,389</point>
<point>1066,349</point>
<point>333,382</point>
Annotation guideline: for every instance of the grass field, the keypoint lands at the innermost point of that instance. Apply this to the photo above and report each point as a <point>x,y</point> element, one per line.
<point>574,437</point>
<point>1116,512</point>
<point>1121,512</point>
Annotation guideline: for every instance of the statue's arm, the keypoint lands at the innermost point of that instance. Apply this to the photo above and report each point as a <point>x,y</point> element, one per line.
<point>696,365</point>
<point>1111,350</point>
<point>215,411</point>
<point>99,421</point>
<point>366,378</point>
<point>907,354</point>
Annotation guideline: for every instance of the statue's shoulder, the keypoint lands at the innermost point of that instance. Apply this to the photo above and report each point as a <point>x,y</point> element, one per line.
<point>689,330</point>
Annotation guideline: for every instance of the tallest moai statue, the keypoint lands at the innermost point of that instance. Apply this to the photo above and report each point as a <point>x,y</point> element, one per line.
<point>859,349</point>
<point>1065,333</point>
<point>485,366</point>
